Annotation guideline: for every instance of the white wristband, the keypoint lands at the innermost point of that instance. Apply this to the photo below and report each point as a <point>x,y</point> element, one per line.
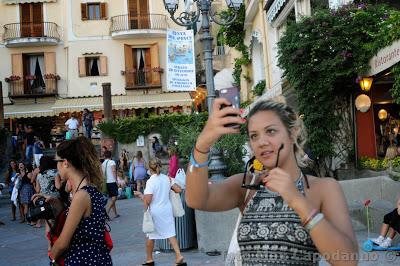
<point>314,221</point>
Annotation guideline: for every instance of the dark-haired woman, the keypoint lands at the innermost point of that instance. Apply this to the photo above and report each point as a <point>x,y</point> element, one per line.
<point>288,218</point>
<point>10,181</point>
<point>45,181</point>
<point>26,189</point>
<point>82,238</point>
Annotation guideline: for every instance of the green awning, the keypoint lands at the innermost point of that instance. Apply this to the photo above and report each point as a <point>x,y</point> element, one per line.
<point>14,2</point>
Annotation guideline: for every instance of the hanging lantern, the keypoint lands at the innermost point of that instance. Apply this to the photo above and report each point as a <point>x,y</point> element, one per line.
<point>363,103</point>
<point>366,83</point>
<point>382,114</point>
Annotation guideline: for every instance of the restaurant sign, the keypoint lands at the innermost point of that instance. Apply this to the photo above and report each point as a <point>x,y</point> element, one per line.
<point>385,58</point>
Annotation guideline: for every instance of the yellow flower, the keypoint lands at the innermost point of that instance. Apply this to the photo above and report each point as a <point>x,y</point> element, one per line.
<point>257,165</point>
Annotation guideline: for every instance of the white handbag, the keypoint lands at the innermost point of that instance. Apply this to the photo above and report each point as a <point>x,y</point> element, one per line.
<point>177,207</point>
<point>148,225</point>
<point>180,178</point>
<point>233,257</point>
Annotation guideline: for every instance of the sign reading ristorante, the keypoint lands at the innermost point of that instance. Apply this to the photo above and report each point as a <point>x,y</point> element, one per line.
<point>385,58</point>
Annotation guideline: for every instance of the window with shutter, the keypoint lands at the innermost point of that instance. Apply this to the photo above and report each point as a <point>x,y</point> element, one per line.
<point>94,11</point>
<point>31,17</point>
<point>138,14</point>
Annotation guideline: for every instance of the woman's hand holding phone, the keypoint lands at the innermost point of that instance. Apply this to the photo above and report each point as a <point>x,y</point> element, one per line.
<point>216,123</point>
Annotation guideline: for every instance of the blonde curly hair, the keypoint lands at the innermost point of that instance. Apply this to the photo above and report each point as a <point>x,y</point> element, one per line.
<point>293,123</point>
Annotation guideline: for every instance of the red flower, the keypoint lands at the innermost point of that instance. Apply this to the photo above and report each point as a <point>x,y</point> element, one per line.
<point>367,202</point>
<point>12,78</point>
<point>52,76</point>
<point>158,69</point>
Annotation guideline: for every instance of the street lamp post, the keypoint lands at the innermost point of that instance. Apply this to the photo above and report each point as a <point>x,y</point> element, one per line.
<point>207,15</point>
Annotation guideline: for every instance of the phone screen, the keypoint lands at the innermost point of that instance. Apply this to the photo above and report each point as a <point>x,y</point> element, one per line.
<point>233,96</point>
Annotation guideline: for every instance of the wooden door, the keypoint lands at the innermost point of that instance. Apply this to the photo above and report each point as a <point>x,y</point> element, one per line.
<point>31,20</point>
<point>138,12</point>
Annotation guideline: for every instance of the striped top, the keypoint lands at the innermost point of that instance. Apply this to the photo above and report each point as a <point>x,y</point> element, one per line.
<point>270,232</point>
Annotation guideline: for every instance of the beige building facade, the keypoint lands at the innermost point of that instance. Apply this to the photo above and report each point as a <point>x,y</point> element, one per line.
<point>55,55</point>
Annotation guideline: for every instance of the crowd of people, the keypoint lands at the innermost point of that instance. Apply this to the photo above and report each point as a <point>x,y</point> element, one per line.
<point>94,180</point>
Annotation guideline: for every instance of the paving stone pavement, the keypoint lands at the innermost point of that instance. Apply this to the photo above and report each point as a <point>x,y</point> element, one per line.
<point>21,244</point>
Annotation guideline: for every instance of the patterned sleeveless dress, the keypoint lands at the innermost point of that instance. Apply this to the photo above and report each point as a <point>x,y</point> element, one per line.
<point>270,232</point>
<point>88,246</point>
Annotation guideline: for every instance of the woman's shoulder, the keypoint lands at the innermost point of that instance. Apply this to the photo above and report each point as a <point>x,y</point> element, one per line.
<point>322,181</point>
<point>323,186</point>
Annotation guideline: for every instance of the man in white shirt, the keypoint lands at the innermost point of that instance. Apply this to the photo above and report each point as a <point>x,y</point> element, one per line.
<point>72,126</point>
<point>110,173</point>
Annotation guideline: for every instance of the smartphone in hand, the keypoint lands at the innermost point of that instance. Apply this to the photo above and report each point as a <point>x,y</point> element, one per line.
<point>232,94</point>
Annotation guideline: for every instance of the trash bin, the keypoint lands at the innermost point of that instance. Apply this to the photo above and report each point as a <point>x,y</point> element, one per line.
<point>185,228</point>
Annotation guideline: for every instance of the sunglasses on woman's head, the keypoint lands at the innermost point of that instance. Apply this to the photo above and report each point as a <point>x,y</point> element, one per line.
<point>259,186</point>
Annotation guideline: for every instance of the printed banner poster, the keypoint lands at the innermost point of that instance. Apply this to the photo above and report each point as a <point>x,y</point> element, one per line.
<point>181,70</point>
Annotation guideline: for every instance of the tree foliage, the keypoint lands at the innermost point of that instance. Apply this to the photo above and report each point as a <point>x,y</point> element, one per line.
<point>322,56</point>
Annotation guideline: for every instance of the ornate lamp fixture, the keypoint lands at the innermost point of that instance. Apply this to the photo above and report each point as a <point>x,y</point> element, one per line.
<point>365,83</point>
<point>188,18</point>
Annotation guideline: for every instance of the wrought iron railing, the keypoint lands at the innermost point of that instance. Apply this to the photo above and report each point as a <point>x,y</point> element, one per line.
<point>28,88</point>
<point>139,78</point>
<point>142,21</point>
<point>14,31</point>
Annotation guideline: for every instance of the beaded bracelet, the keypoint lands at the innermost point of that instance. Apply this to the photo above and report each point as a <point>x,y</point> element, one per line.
<point>310,216</point>
<point>314,221</point>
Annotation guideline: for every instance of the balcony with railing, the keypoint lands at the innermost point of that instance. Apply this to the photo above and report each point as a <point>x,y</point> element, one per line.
<point>144,78</point>
<point>142,25</point>
<point>32,87</point>
<point>31,34</point>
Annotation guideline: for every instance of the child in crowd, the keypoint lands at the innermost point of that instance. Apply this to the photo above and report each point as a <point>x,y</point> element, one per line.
<point>391,225</point>
<point>122,182</point>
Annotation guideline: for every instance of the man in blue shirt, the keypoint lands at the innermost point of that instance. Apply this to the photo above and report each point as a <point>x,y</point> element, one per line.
<point>38,147</point>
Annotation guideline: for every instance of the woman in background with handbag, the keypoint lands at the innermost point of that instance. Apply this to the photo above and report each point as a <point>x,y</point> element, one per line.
<point>156,199</point>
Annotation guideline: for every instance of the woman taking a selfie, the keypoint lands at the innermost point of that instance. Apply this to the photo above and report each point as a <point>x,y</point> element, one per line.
<point>288,217</point>
<point>82,237</point>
